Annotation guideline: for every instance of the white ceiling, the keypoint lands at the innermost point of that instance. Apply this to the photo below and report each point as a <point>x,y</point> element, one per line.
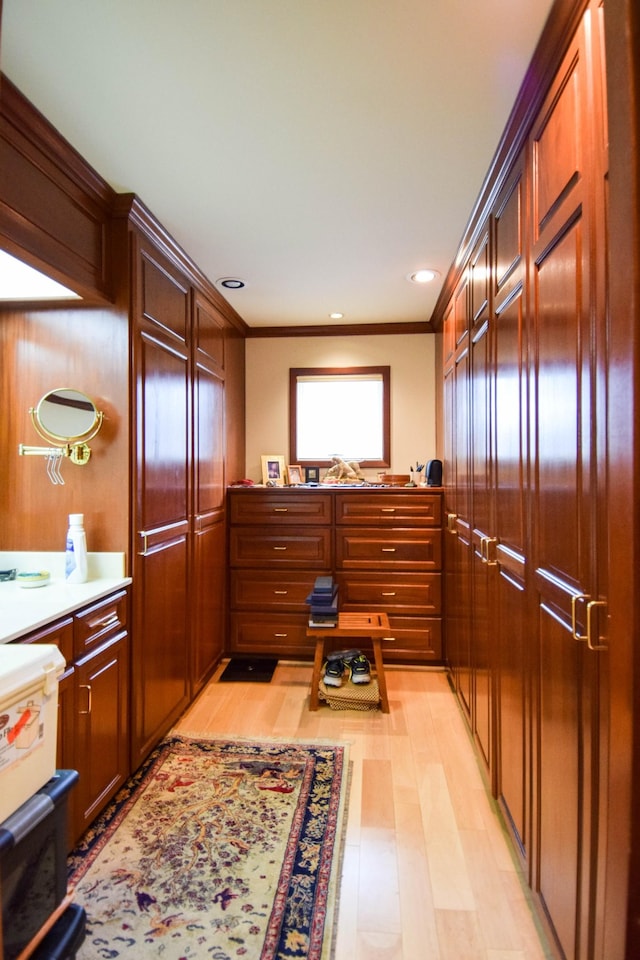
<point>320,150</point>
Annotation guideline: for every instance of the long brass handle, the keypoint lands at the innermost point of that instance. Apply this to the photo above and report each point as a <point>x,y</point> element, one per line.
<point>388,593</point>
<point>485,543</point>
<point>281,509</point>
<point>279,548</point>
<point>388,549</point>
<point>281,593</point>
<point>574,631</point>
<point>281,635</point>
<point>387,510</point>
<point>590,607</point>
<point>87,687</point>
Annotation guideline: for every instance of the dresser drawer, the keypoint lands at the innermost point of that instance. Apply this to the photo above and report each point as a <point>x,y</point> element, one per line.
<point>413,640</point>
<point>418,593</point>
<point>398,509</point>
<point>283,635</point>
<point>254,546</point>
<point>406,549</point>
<point>286,508</point>
<point>100,621</point>
<point>268,590</point>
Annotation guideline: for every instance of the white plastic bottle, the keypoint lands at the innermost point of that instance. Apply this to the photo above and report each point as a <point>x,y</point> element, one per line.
<point>75,566</point>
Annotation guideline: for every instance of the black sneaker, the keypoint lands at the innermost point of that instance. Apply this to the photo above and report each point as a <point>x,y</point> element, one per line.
<point>344,655</point>
<point>333,670</point>
<point>360,669</point>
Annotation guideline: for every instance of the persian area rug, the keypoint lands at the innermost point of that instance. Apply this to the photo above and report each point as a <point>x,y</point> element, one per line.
<point>217,849</point>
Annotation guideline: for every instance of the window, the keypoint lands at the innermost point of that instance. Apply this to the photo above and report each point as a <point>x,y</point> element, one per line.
<point>340,411</point>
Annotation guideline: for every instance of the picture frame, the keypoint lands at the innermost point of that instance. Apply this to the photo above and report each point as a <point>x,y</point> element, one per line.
<point>312,474</point>
<point>294,473</point>
<point>273,470</point>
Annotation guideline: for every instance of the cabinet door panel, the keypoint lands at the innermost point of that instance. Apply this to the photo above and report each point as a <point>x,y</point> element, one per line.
<point>208,436</point>
<point>102,719</point>
<point>208,599</point>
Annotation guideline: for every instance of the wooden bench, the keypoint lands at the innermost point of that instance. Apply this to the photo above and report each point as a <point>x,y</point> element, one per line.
<point>354,626</point>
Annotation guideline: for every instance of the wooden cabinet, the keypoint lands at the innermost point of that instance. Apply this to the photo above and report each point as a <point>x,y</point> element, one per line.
<point>179,549</point>
<point>382,547</point>
<point>525,397</point>
<point>93,703</point>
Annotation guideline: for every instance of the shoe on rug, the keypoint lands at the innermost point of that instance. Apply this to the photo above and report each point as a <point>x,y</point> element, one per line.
<point>360,669</point>
<point>333,670</point>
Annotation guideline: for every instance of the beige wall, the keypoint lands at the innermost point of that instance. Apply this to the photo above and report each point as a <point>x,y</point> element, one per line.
<point>413,394</point>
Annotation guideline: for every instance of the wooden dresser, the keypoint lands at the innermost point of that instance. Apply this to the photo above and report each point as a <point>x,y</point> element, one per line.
<point>382,545</point>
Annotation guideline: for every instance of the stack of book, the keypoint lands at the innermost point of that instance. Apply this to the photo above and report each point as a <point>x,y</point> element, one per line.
<point>323,603</point>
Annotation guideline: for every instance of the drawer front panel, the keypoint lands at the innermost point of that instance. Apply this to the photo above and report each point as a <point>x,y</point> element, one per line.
<point>99,621</point>
<point>413,639</point>
<point>266,590</point>
<point>60,634</point>
<point>250,547</point>
<point>273,508</point>
<point>397,549</point>
<point>414,593</point>
<point>272,635</point>
<point>413,509</point>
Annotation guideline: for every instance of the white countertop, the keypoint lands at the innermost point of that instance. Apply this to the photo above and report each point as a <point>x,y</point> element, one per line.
<point>23,610</point>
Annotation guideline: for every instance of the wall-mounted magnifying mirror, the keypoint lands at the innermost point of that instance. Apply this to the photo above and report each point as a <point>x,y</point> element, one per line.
<point>66,415</point>
<point>68,419</point>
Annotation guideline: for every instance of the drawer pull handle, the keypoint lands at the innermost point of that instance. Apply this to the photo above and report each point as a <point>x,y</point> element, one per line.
<point>280,634</point>
<point>388,593</point>
<point>387,510</point>
<point>108,621</point>
<point>281,593</point>
<point>388,549</point>
<point>87,687</point>
<point>279,548</point>
<point>281,509</point>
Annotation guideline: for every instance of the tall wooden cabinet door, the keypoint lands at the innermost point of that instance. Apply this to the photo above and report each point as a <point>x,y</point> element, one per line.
<point>565,492</point>
<point>480,478</point>
<point>510,478</point>
<point>209,540</point>
<point>160,673</point>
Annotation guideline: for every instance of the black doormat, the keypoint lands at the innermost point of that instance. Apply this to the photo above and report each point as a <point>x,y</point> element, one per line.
<point>249,669</point>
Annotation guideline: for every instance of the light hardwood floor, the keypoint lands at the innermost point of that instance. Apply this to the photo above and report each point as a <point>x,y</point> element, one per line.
<point>427,873</point>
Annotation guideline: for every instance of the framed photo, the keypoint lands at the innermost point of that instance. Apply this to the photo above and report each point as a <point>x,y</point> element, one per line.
<point>273,470</point>
<point>312,474</point>
<point>294,472</point>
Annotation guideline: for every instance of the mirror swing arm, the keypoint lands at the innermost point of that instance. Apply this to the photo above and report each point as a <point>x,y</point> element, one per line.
<point>66,419</point>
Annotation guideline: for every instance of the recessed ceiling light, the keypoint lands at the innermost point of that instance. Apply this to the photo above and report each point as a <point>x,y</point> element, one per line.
<point>336,316</point>
<point>425,275</point>
<point>231,283</point>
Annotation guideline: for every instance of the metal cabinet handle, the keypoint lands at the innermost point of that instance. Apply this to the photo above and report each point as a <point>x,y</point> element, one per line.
<point>485,543</point>
<point>590,607</point>
<point>279,548</point>
<point>281,634</point>
<point>281,509</point>
<point>387,510</point>
<point>87,687</point>
<point>388,549</point>
<point>108,621</point>
<point>574,630</point>
<point>281,593</point>
<point>388,593</point>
